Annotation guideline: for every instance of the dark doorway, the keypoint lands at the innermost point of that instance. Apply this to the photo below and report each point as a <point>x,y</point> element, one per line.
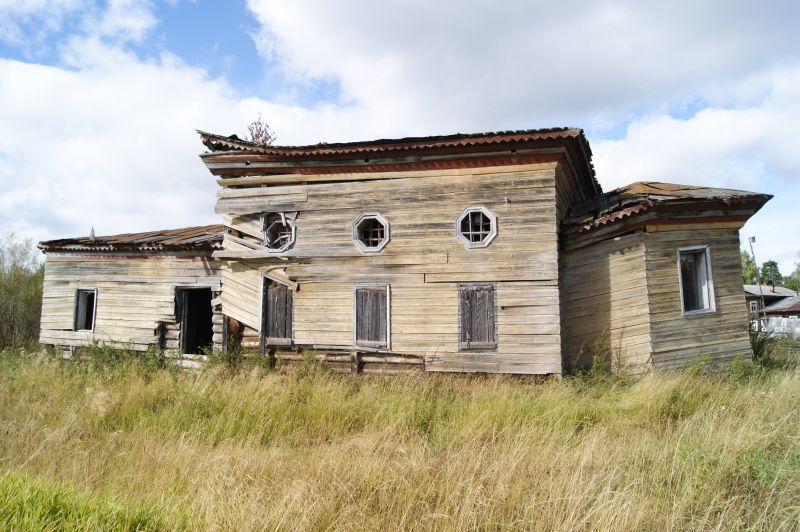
<point>194,306</point>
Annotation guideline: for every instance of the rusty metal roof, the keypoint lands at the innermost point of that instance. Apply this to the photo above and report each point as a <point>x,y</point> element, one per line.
<point>639,197</point>
<point>787,305</point>
<point>233,157</point>
<point>216,142</point>
<point>207,237</point>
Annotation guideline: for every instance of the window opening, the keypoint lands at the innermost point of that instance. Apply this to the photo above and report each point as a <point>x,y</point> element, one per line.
<point>476,227</point>
<point>371,232</point>
<point>279,232</point>
<point>697,289</point>
<point>477,312</point>
<point>85,303</point>
<point>753,306</point>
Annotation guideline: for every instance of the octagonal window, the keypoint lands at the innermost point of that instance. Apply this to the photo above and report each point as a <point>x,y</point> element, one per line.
<point>476,227</point>
<point>371,232</point>
<point>279,232</point>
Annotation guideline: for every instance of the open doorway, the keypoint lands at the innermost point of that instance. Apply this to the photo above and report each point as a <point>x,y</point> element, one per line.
<point>194,309</point>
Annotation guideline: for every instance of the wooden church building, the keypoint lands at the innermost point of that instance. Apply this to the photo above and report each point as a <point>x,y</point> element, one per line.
<point>491,252</point>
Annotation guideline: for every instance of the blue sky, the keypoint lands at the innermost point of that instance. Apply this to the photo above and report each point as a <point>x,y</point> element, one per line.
<point>99,100</point>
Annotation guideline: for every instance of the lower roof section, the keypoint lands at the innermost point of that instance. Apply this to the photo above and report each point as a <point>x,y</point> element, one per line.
<point>204,238</point>
<point>628,207</point>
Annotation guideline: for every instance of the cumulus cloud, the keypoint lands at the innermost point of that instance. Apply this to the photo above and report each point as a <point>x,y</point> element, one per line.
<point>123,20</point>
<point>32,23</point>
<point>110,145</point>
<point>744,147</point>
<point>444,66</point>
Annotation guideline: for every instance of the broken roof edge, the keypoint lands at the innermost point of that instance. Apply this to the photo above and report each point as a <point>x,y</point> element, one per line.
<point>216,142</point>
<point>204,238</point>
<point>631,201</point>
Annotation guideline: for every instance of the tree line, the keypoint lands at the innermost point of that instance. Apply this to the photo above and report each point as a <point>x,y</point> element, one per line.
<point>21,276</point>
<point>769,272</point>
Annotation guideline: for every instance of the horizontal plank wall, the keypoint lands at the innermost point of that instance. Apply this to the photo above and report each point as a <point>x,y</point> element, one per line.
<point>721,335</point>
<point>605,296</point>
<point>423,262</point>
<point>134,294</point>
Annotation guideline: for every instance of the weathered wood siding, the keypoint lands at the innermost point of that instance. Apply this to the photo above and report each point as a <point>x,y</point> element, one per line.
<point>423,263</point>
<point>606,298</point>
<point>134,294</point>
<point>721,335</point>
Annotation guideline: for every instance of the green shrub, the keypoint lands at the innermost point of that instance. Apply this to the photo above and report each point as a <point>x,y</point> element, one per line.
<point>21,276</point>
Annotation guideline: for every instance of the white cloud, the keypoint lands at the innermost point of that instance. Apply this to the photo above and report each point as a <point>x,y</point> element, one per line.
<point>27,24</point>
<point>444,66</point>
<point>735,147</point>
<point>110,145</point>
<point>123,20</point>
<point>32,24</point>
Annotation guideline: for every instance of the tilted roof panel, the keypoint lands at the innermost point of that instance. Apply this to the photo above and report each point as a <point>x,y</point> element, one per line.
<point>207,237</point>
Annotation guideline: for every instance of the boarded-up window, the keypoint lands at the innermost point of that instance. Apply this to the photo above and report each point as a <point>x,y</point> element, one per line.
<point>372,316</point>
<point>697,289</point>
<point>476,308</point>
<point>277,313</point>
<point>84,310</point>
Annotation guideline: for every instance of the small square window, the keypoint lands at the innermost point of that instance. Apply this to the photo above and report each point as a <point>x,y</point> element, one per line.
<point>753,306</point>
<point>696,284</point>
<point>84,310</point>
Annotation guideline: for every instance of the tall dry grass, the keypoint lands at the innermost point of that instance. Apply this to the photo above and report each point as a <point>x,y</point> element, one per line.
<point>309,450</point>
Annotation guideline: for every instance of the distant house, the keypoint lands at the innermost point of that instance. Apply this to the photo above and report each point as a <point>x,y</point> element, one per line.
<point>489,252</point>
<point>771,294</point>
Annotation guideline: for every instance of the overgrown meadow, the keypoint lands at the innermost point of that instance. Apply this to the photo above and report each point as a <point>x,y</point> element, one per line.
<point>120,442</point>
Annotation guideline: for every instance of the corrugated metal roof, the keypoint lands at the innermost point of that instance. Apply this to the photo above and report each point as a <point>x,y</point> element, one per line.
<point>769,290</point>
<point>216,142</point>
<point>790,304</point>
<point>207,237</point>
<point>642,196</point>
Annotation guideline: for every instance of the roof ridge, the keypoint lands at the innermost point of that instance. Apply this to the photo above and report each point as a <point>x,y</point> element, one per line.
<point>234,140</point>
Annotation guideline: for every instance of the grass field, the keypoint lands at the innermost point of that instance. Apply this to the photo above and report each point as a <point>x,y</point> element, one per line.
<point>111,445</point>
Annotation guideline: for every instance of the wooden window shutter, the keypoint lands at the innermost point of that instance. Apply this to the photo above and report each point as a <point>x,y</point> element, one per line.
<point>277,313</point>
<point>371,317</point>
<point>477,312</point>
